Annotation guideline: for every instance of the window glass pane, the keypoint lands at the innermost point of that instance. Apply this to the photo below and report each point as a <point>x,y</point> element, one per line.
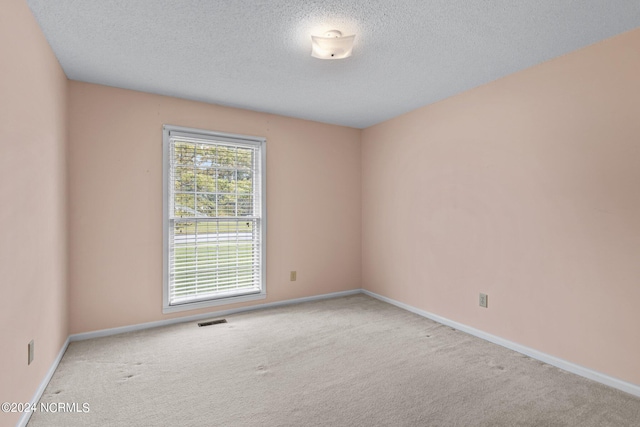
<point>245,156</point>
<point>205,155</point>
<point>246,227</point>
<point>226,205</point>
<point>205,180</point>
<point>183,228</point>
<point>226,181</point>
<point>206,205</point>
<point>244,182</point>
<point>245,205</point>
<point>184,205</point>
<point>208,227</point>
<point>184,153</point>
<point>226,156</point>
<point>183,179</point>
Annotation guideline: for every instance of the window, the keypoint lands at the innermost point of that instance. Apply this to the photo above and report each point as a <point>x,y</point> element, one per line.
<point>214,221</point>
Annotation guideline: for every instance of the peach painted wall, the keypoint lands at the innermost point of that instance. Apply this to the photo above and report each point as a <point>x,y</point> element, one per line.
<point>527,189</point>
<point>33,259</point>
<point>115,174</point>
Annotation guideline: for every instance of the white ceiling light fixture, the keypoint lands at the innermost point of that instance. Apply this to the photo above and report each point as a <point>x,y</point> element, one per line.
<point>332,45</point>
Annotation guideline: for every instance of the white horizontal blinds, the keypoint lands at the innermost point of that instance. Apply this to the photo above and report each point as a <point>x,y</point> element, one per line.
<point>214,218</point>
<point>214,258</point>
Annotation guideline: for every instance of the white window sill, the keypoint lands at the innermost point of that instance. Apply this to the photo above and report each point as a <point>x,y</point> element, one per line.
<point>213,302</point>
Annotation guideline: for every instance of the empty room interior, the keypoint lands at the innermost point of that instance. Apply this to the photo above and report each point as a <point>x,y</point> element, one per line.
<point>383,213</point>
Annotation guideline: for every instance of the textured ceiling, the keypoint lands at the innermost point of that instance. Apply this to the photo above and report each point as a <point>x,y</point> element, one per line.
<point>256,54</point>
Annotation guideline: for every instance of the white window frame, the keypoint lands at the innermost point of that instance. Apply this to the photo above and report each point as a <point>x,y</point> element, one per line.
<point>168,131</point>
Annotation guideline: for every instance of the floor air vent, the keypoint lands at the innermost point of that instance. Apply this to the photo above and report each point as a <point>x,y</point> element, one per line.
<point>212,322</point>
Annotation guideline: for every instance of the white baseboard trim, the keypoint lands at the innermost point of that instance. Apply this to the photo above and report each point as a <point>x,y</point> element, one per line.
<point>148,325</point>
<point>24,419</point>
<point>538,355</point>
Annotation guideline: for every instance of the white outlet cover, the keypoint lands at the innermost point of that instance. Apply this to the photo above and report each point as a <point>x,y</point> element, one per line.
<point>484,300</point>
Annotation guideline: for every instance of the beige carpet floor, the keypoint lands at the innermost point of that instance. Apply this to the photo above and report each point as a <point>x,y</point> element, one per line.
<point>352,361</point>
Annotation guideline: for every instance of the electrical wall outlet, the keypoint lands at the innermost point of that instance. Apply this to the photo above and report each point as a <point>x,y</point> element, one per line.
<point>293,276</point>
<point>484,300</point>
<point>30,353</point>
